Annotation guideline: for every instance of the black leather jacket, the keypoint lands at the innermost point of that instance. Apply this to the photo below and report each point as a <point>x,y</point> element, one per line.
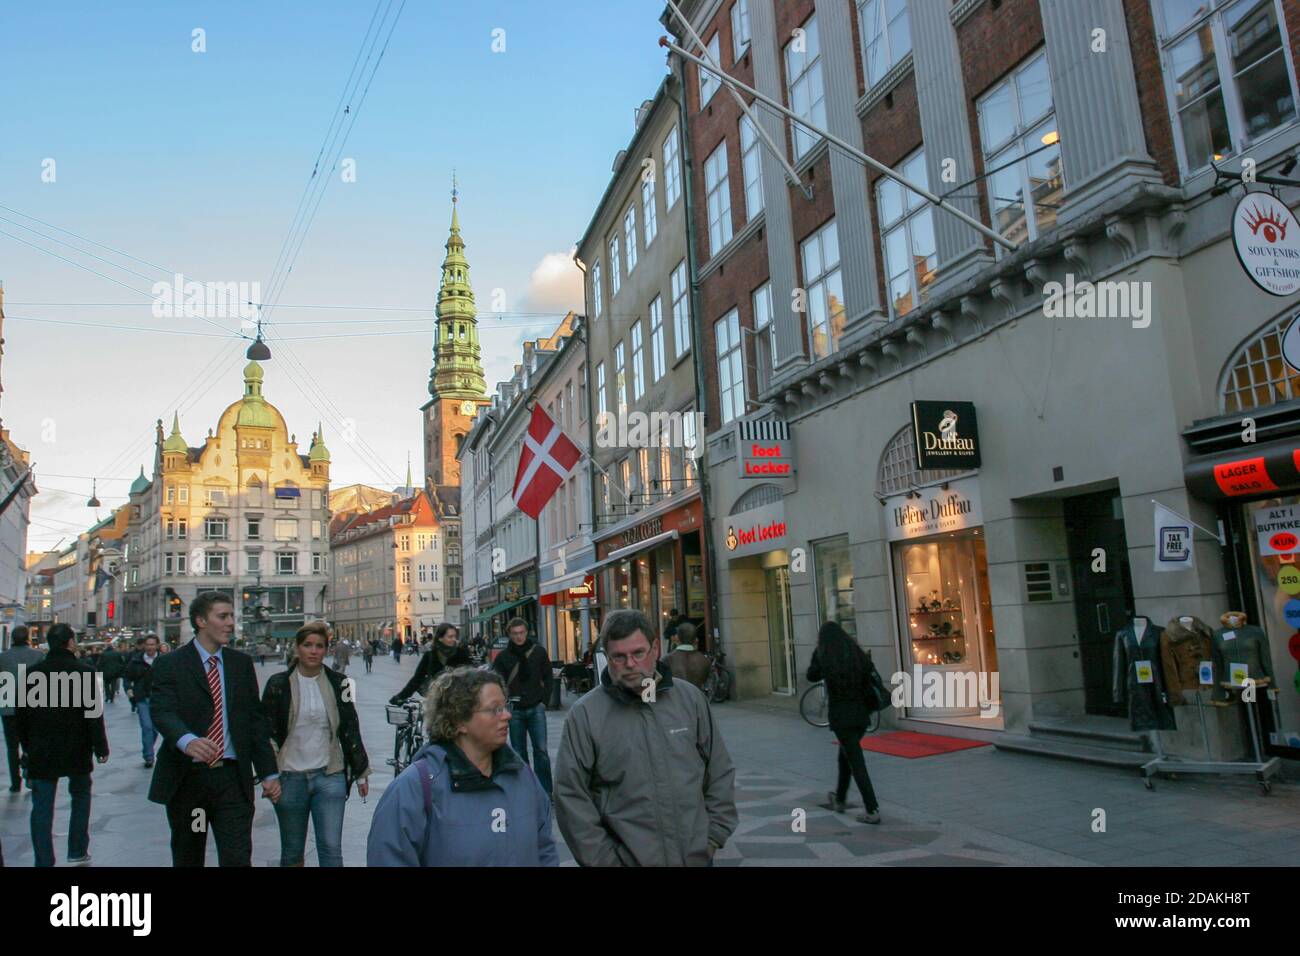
<point>277,698</point>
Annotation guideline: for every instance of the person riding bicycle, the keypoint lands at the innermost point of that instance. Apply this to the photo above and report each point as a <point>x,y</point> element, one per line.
<point>686,661</point>
<point>447,652</point>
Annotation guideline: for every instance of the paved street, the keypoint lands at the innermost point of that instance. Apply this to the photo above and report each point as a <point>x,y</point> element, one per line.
<point>971,808</point>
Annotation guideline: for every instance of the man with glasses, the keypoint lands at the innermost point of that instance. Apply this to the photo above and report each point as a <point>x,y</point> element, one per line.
<point>642,777</point>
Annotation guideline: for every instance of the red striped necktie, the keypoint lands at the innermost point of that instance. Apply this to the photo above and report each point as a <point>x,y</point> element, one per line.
<point>216,730</point>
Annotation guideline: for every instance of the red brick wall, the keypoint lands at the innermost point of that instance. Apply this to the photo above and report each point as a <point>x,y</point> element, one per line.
<point>892,130</point>
<point>992,40</point>
<point>1151,88</point>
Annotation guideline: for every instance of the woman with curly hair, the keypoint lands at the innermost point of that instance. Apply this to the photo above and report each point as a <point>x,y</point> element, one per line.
<point>467,799</point>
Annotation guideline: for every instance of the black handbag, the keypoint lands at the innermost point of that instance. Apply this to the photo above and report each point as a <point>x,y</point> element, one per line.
<point>878,694</point>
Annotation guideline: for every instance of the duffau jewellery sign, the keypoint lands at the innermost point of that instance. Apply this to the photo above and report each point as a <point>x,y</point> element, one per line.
<point>946,435</point>
<point>937,511</point>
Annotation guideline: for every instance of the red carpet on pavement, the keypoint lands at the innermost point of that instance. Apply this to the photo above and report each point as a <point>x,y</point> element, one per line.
<point>905,743</point>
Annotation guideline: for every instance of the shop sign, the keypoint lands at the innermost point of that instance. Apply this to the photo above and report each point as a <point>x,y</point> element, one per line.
<point>1173,535</point>
<point>586,590</point>
<point>937,511</point>
<point>1278,529</point>
<point>757,530</point>
<point>1266,238</point>
<point>764,450</point>
<point>947,435</point>
<point>1245,477</point>
<point>514,588</point>
<point>647,529</point>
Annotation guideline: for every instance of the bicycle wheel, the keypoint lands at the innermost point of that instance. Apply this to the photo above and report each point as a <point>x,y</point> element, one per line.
<point>721,690</point>
<point>399,745</point>
<point>812,706</point>
<point>873,722</point>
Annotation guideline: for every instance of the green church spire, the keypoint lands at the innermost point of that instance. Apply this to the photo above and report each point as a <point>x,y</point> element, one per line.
<point>457,365</point>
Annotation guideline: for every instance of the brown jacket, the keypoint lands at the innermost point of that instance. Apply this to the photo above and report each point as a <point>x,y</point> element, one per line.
<point>1182,649</point>
<point>692,666</point>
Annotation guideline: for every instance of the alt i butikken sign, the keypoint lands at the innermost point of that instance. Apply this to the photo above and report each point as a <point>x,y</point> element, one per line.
<point>1266,237</point>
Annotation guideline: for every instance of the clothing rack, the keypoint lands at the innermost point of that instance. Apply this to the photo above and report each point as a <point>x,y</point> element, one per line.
<point>1262,769</point>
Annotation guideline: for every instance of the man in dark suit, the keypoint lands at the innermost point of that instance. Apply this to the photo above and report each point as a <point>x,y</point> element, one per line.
<point>216,738</point>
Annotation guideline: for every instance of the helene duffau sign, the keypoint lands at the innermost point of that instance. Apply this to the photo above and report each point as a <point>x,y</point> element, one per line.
<point>936,511</point>
<point>947,435</point>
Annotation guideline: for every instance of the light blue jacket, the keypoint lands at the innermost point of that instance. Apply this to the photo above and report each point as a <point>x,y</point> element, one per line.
<point>457,817</point>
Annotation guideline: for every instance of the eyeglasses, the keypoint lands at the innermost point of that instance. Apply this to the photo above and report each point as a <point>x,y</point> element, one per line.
<point>494,711</point>
<point>636,657</point>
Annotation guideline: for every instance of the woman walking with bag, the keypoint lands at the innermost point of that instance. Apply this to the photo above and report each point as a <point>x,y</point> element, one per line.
<point>317,736</point>
<point>846,670</point>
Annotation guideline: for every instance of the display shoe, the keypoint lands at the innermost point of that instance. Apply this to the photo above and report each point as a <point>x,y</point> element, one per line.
<point>870,816</point>
<point>834,802</point>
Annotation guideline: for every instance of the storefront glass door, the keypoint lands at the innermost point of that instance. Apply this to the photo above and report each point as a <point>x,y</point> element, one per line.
<point>780,629</point>
<point>947,624</point>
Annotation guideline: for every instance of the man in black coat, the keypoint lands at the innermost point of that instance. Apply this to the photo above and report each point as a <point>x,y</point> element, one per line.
<point>60,734</point>
<point>526,667</point>
<point>216,738</point>
<point>111,664</point>
<point>446,652</point>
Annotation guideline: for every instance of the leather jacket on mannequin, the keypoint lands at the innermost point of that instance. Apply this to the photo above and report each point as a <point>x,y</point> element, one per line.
<point>1240,643</point>
<point>1186,642</point>
<point>1147,707</point>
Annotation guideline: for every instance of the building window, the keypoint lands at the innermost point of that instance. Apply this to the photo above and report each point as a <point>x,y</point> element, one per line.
<point>690,441</point>
<point>315,530</point>
<point>764,339</point>
<point>681,310</point>
<point>821,276</point>
<point>625,478</point>
<point>740,35</point>
<point>886,36</point>
<point>898,472</point>
<point>643,474</point>
<point>615,268</point>
<point>731,376</point>
<point>182,529</point>
<point>214,497</point>
<point>422,574</point>
<point>254,528</point>
<point>171,494</point>
<point>214,529</point>
<point>638,362</point>
<point>216,562</point>
<point>833,569</point>
<point>182,562</point>
<point>286,562</point>
<point>658,362</point>
<point>648,213</point>
<point>404,573</point>
<point>672,174</point>
<point>1229,83</point>
<point>718,198</point>
<point>709,81</point>
<point>453,587</point>
<point>183,494</point>
<point>595,287</point>
<point>620,378</point>
<point>751,163</point>
<point>319,563</point>
<point>907,224</point>
<point>169,563</point>
<point>1257,375</point>
<point>629,237</point>
<point>601,403</point>
<point>805,91</point>
<point>286,529</point>
<point>253,560</point>
<point>1016,118</point>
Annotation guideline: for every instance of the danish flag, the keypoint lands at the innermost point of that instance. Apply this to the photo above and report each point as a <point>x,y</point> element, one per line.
<point>545,462</point>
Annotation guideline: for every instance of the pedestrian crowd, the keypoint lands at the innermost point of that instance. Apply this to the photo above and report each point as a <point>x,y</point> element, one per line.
<point>642,776</point>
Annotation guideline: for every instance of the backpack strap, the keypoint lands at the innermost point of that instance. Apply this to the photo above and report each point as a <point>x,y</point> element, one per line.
<point>425,784</point>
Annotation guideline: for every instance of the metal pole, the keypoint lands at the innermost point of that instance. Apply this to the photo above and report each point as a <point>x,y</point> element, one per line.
<point>851,150</point>
<point>790,174</point>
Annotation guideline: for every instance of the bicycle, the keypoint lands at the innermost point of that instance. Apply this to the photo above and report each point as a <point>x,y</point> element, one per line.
<point>717,686</point>
<point>408,719</point>
<point>813,707</point>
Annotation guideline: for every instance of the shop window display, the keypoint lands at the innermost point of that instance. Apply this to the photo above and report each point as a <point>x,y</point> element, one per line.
<point>834,569</point>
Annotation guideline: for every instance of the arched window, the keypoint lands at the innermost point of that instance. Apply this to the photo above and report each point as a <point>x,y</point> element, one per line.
<point>1257,375</point>
<point>898,471</point>
<point>756,497</point>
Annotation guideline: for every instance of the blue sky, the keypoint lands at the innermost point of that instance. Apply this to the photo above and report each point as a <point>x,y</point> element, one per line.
<point>196,162</point>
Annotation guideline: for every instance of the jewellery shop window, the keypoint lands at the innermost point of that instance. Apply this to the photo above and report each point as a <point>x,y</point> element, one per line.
<point>947,609</point>
<point>1266,655</point>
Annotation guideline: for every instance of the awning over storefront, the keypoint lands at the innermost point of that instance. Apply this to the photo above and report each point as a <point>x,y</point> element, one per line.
<point>494,611</point>
<point>637,548</point>
<point>573,580</point>
<point>1245,472</point>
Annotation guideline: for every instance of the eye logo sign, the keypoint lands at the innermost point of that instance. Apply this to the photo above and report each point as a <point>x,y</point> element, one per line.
<point>1266,238</point>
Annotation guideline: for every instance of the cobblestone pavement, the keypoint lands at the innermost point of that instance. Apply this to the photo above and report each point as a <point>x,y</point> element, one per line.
<point>975,807</point>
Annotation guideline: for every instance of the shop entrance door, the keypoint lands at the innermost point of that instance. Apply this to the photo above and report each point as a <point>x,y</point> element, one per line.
<point>780,629</point>
<point>1103,599</point>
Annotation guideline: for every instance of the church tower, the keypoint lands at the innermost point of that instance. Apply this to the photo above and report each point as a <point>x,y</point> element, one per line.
<point>456,385</point>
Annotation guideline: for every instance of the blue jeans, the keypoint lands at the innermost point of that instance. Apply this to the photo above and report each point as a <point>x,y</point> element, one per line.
<point>531,722</point>
<point>148,736</point>
<point>43,793</point>
<point>321,796</point>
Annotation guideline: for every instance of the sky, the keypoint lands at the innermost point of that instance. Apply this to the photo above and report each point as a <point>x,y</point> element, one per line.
<point>163,150</point>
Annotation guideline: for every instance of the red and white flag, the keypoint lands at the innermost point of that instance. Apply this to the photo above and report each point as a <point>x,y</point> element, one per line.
<point>545,462</point>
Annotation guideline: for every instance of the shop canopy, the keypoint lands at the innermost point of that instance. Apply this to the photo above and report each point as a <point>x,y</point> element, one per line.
<point>498,609</point>
<point>1247,471</point>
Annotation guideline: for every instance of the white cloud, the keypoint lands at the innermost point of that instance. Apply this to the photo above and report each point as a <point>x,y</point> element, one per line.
<point>555,286</point>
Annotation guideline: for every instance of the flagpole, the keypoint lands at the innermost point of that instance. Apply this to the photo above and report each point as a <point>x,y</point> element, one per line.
<point>1216,535</point>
